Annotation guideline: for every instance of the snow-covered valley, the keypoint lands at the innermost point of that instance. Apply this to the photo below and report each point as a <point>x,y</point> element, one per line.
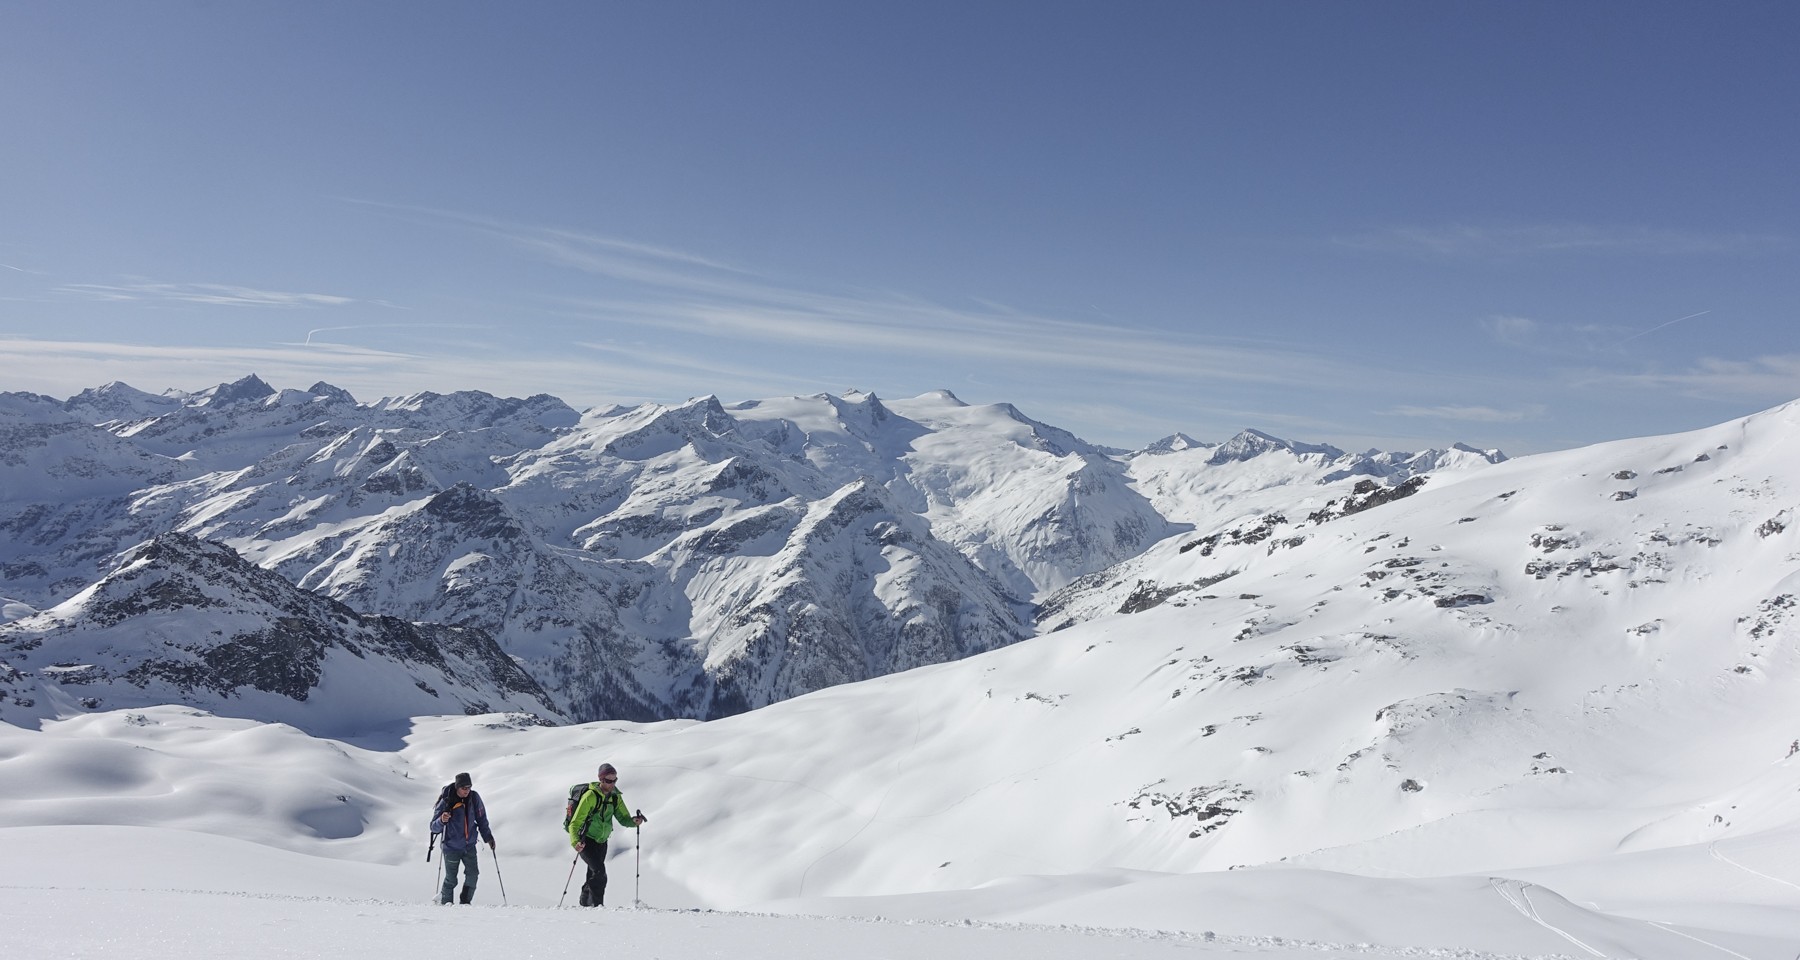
<point>1311,704</point>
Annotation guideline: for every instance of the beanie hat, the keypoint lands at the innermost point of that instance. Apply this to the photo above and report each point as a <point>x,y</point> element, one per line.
<point>606,768</point>
<point>462,780</point>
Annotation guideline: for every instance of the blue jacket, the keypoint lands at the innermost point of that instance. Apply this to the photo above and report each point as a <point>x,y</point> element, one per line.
<point>467,818</point>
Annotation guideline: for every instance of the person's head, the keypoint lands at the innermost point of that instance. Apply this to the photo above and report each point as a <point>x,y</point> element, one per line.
<point>608,776</point>
<point>464,784</point>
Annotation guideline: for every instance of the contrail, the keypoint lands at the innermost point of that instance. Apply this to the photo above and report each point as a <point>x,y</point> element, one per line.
<point>1659,327</point>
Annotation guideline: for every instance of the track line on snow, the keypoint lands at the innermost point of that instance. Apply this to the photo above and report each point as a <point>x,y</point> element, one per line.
<point>1238,945</point>
<point>1529,912</point>
<point>918,727</point>
<point>1713,848</point>
<point>1658,924</point>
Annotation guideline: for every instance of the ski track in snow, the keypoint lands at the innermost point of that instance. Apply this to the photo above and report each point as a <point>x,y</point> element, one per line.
<point>1531,656</point>
<point>626,924</point>
<point>1713,848</point>
<point>899,772</point>
<point>1527,909</point>
<point>1665,927</point>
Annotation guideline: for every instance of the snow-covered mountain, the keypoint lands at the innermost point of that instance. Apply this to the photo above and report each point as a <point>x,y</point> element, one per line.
<point>694,559</point>
<point>1526,707</point>
<point>188,621</point>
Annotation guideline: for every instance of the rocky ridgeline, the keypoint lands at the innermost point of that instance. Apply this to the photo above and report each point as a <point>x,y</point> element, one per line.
<point>187,620</point>
<point>697,559</point>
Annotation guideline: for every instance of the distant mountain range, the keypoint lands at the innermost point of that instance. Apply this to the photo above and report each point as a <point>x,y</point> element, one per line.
<point>689,560</point>
<point>1576,669</point>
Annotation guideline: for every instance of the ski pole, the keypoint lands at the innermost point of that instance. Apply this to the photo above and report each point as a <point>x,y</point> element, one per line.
<point>638,878</point>
<point>499,875</point>
<point>572,863</point>
<point>429,847</point>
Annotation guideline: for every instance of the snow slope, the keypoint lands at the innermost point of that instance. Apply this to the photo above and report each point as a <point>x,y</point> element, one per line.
<point>205,837</point>
<point>1538,708</point>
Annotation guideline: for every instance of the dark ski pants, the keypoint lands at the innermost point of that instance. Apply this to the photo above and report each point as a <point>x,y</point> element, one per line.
<point>593,890</point>
<point>471,872</point>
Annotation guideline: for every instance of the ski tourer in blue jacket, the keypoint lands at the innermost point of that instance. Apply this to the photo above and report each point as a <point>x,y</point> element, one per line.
<point>461,818</point>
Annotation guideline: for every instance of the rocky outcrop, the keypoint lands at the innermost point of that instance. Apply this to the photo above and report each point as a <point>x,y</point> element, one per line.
<point>187,620</point>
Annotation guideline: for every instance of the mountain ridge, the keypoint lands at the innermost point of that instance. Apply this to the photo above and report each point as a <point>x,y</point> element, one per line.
<point>620,553</point>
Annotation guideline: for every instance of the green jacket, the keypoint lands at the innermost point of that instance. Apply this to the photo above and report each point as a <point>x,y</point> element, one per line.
<point>599,822</point>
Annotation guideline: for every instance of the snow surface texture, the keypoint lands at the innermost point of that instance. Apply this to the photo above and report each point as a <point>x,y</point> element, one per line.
<point>648,562</point>
<point>1531,708</point>
<point>203,837</point>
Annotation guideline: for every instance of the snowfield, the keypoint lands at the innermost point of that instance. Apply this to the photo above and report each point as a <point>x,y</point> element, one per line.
<point>1541,707</point>
<point>198,837</point>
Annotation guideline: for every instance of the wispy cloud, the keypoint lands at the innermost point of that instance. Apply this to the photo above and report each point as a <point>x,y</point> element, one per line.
<point>1513,331</point>
<point>1775,377</point>
<point>310,334</point>
<point>1512,242</point>
<point>1562,339</point>
<point>590,252</point>
<point>59,368</point>
<point>1471,414</point>
<point>209,293</point>
<point>920,330</point>
<point>679,292</point>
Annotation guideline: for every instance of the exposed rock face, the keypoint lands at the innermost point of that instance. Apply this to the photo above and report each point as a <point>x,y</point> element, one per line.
<point>250,389</point>
<point>694,559</point>
<point>1250,444</point>
<point>188,620</point>
<point>815,623</point>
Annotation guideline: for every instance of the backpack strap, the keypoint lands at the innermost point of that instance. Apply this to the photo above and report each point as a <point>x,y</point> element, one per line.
<point>599,804</point>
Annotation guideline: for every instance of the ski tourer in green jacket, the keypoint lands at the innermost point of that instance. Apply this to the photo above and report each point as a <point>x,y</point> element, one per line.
<point>600,807</point>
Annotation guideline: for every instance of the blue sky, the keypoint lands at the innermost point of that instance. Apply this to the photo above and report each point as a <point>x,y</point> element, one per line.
<point>1522,225</point>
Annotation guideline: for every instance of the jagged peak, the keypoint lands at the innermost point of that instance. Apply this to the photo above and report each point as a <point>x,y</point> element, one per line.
<point>706,403</point>
<point>35,406</point>
<point>1052,440</point>
<point>546,410</point>
<point>185,556</point>
<point>859,497</point>
<point>467,505</point>
<point>1251,443</point>
<point>111,388</point>
<point>1491,455</point>
<point>856,407</point>
<point>1175,443</point>
<point>329,392</point>
<point>293,398</point>
<point>173,547</point>
<point>707,413</point>
<point>118,400</point>
<point>250,389</point>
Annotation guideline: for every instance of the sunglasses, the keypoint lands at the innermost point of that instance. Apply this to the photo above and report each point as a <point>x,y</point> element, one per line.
<point>609,779</point>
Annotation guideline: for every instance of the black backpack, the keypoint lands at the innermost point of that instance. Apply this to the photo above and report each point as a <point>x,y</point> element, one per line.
<point>578,791</point>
